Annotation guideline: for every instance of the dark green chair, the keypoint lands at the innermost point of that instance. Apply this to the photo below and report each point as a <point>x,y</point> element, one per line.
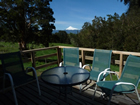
<point>101,63</point>
<point>71,57</point>
<point>128,81</point>
<point>14,72</point>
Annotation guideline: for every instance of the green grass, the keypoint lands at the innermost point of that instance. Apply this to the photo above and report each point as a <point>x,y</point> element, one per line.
<point>59,44</point>
<point>113,68</point>
<point>45,60</point>
<point>6,47</point>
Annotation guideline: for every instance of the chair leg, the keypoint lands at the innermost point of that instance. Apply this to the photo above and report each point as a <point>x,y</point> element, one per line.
<point>36,78</point>
<point>3,83</point>
<point>137,94</point>
<point>109,99</point>
<point>13,89</point>
<point>110,95</point>
<point>38,86</point>
<point>94,92</point>
<point>80,87</point>
<point>14,93</point>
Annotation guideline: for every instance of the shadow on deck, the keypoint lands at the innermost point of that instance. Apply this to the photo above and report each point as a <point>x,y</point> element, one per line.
<point>28,95</point>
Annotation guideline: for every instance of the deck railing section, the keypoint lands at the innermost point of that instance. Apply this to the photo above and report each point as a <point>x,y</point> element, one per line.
<point>119,61</point>
<point>82,56</point>
<point>33,58</point>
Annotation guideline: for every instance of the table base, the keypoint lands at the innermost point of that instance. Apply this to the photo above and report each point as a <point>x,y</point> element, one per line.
<point>65,90</point>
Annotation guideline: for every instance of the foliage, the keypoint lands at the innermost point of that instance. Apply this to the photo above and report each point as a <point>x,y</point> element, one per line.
<point>133,4</point>
<point>60,37</point>
<point>26,21</point>
<point>73,39</point>
<point>6,47</point>
<point>115,33</point>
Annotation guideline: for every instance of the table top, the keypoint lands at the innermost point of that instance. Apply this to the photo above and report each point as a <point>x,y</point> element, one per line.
<point>65,76</point>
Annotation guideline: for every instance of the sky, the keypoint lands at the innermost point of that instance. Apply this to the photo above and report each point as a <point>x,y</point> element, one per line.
<point>76,12</point>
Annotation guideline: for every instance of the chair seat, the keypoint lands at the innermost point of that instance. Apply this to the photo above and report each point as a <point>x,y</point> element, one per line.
<point>107,86</point>
<point>14,72</point>
<point>22,78</point>
<point>94,75</point>
<point>127,83</point>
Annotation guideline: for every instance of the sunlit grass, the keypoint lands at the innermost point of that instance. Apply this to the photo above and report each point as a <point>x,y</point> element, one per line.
<point>6,47</point>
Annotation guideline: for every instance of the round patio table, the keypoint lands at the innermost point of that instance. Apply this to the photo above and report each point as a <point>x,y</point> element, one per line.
<point>65,76</point>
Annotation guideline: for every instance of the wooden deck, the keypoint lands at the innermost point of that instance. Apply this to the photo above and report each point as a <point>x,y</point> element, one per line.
<point>28,95</point>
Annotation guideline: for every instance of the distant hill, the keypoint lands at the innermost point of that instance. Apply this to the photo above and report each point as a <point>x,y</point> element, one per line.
<point>68,31</point>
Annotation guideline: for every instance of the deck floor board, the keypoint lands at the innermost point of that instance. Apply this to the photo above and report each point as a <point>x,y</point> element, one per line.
<point>50,95</point>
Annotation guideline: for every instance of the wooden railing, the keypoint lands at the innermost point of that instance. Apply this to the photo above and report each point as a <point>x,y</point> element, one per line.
<point>33,58</point>
<point>120,61</point>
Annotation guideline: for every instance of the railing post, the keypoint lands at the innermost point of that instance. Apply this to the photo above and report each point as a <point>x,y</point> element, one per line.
<point>59,55</point>
<point>33,59</point>
<point>83,57</point>
<point>121,65</point>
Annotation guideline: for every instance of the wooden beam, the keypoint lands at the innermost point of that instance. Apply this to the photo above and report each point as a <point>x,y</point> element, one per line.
<point>59,55</point>
<point>121,65</point>
<point>83,57</point>
<point>33,59</point>
<point>45,56</point>
<point>39,49</point>
<point>46,65</point>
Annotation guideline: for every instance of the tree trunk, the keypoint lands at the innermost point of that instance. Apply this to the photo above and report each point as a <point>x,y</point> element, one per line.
<point>22,46</point>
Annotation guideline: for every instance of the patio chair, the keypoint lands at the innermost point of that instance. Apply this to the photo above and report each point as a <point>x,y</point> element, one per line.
<point>128,81</point>
<point>101,63</point>
<point>71,57</point>
<point>14,72</point>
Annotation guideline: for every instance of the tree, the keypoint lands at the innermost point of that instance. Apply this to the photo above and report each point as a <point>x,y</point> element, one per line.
<point>26,21</point>
<point>133,4</point>
<point>61,37</point>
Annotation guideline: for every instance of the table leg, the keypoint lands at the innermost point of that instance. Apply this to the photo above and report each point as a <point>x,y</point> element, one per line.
<point>65,90</point>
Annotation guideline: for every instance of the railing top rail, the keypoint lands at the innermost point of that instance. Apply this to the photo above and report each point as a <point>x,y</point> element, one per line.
<point>45,48</point>
<point>80,48</point>
<point>126,53</point>
<point>113,51</point>
<point>84,49</point>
